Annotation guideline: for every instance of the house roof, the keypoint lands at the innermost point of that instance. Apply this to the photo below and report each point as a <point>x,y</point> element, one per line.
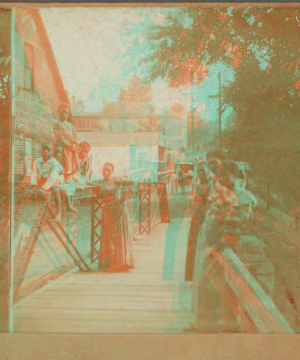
<point>118,138</point>
<point>36,16</point>
<point>169,113</point>
<point>119,109</point>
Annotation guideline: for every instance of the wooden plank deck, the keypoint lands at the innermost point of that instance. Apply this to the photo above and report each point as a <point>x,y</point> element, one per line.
<point>139,301</point>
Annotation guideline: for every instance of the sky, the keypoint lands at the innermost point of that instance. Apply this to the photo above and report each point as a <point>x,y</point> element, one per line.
<point>91,46</point>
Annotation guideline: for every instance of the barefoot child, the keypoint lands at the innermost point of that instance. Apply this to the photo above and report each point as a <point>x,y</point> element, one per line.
<point>82,178</point>
<point>67,189</point>
<point>49,177</point>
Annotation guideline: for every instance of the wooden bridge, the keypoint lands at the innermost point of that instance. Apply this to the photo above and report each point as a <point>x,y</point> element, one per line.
<point>151,298</point>
<point>138,301</point>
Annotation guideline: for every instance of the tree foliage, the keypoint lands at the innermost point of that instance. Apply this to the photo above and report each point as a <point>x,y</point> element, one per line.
<point>135,91</point>
<point>262,46</point>
<point>5,63</point>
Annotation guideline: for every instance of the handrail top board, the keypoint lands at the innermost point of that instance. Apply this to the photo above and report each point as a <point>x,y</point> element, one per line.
<point>254,299</point>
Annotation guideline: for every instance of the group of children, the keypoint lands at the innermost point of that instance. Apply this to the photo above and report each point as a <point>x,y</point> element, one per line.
<point>46,177</point>
<point>63,173</point>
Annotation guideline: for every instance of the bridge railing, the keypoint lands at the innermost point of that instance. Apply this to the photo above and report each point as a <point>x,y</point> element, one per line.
<point>153,205</point>
<point>255,302</point>
<point>43,248</point>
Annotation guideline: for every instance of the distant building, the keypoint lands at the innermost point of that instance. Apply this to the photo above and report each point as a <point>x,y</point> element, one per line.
<point>207,134</point>
<point>172,136</point>
<point>37,86</point>
<point>124,133</point>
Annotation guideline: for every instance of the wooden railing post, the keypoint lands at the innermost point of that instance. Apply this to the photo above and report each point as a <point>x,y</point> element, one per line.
<point>144,207</point>
<point>149,206</point>
<point>259,306</point>
<point>140,208</point>
<point>92,229</point>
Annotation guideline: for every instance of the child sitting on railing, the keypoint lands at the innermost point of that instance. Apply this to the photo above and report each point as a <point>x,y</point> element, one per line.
<point>76,181</point>
<point>49,173</point>
<point>67,189</point>
<point>82,179</point>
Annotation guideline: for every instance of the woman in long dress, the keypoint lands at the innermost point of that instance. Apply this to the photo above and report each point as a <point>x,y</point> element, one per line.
<point>116,250</point>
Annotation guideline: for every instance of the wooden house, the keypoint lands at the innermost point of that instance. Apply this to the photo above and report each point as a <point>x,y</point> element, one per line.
<point>37,87</point>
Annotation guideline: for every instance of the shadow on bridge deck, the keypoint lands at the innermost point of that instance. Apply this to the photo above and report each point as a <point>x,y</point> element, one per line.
<point>139,301</point>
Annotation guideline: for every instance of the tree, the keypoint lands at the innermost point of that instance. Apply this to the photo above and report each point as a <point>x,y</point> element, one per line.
<point>5,65</point>
<point>135,91</point>
<point>261,46</point>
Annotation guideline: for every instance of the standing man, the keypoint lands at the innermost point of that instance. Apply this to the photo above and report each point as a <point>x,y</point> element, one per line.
<point>181,180</point>
<point>173,183</point>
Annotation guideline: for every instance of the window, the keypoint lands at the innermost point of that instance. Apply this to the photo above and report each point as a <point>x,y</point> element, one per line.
<point>28,147</point>
<point>142,158</point>
<point>36,150</point>
<point>28,154</point>
<point>29,66</point>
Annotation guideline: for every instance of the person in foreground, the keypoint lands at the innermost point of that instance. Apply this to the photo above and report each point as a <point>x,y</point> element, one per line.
<point>116,250</point>
<point>199,206</point>
<point>215,304</point>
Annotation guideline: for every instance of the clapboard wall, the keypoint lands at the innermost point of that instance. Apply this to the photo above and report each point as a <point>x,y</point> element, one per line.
<point>37,86</point>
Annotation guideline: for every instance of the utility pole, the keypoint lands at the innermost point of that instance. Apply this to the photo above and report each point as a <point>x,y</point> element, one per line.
<point>192,111</point>
<point>219,96</point>
<point>220,112</point>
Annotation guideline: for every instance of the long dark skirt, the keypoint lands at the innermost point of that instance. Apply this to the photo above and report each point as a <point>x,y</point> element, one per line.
<point>116,250</point>
<point>191,248</point>
<point>196,223</point>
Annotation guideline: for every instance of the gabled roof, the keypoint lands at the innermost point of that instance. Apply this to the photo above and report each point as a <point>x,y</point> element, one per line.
<point>128,109</point>
<point>169,113</point>
<point>49,54</point>
<point>119,139</point>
